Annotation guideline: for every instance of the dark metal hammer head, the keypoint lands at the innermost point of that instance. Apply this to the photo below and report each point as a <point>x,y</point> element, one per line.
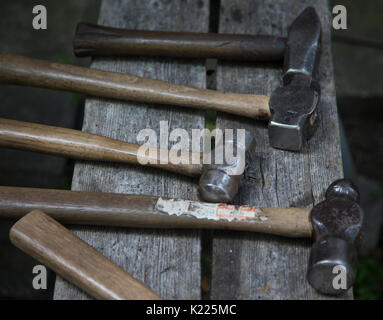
<point>336,223</point>
<point>220,180</point>
<point>294,105</point>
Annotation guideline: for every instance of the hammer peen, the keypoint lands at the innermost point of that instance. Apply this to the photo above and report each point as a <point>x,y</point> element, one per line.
<point>334,223</point>
<point>292,108</point>
<point>217,183</point>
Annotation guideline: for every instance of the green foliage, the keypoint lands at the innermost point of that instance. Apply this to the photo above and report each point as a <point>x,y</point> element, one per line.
<point>369,281</point>
<point>378,193</point>
<point>64,58</point>
<point>210,119</point>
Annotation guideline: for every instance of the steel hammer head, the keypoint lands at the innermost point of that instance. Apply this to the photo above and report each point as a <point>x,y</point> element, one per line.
<point>336,222</point>
<point>294,105</point>
<point>220,180</point>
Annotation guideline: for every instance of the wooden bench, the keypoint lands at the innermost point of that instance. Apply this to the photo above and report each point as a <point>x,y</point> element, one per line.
<point>244,265</point>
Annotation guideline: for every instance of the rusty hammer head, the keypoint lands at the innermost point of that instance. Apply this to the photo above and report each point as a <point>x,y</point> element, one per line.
<point>336,222</point>
<point>221,178</point>
<point>294,105</point>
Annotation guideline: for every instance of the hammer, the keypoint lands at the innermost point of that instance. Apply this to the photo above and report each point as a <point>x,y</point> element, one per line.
<point>97,40</point>
<point>218,182</point>
<point>334,223</point>
<point>292,108</point>
<point>58,248</point>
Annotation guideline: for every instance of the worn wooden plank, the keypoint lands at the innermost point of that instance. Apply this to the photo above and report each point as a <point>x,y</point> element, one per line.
<point>254,266</point>
<point>165,260</point>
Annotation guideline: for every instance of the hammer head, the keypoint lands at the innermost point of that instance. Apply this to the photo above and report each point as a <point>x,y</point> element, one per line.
<point>336,222</point>
<point>294,105</point>
<point>220,180</point>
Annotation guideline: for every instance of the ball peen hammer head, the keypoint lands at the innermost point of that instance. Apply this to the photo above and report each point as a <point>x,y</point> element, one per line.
<point>336,222</point>
<point>293,106</point>
<point>220,182</point>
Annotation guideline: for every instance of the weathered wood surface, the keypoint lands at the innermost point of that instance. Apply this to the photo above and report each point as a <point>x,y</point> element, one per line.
<point>167,261</point>
<point>245,266</point>
<point>255,266</point>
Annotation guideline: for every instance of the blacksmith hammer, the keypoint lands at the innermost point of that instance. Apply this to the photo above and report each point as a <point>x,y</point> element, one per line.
<point>334,223</point>
<point>292,109</point>
<point>52,244</point>
<point>97,40</point>
<point>218,182</point>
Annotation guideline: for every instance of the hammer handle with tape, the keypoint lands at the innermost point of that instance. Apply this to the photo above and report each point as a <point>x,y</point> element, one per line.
<point>21,70</point>
<point>85,146</point>
<point>94,40</point>
<point>61,250</point>
<point>97,208</point>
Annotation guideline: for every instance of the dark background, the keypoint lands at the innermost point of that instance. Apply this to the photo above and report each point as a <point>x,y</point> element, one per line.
<point>358,63</point>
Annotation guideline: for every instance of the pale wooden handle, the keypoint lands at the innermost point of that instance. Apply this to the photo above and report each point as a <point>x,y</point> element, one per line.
<point>55,246</point>
<point>97,208</point>
<point>81,145</point>
<point>33,72</point>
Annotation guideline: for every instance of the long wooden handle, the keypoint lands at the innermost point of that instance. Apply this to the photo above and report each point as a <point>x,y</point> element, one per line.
<point>96,208</point>
<point>58,248</point>
<point>20,70</point>
<point>93,40</point>
<point>81,145</point>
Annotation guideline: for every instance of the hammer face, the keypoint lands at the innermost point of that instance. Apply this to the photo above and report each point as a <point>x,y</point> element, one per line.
<point>336,222</point>
<point>330,257</point>
<point>294,116</point>
<point>220,180</point>
<point>218,186</point>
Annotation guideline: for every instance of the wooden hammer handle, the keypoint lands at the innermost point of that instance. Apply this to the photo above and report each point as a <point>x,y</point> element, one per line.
<point>55,246</point>
<point>93,40</point>
<point>97,208</point>
<point>20,70</point>
<point>85,146</point>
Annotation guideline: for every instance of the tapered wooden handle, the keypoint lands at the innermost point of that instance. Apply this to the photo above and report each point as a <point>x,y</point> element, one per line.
<point>97,208</point>
<point>20,70</point>
<point>58,248</point>
<point>81,145</point>
<point>93,40</point>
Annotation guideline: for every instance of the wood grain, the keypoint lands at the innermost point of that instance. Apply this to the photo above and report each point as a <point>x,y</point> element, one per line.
<point>59,249</point>
<point>93,40</point>
<point>255,266</point>
<point>96,208</point>
<point>19,70</point>
<point>167,261</point>
<point>85,146</point>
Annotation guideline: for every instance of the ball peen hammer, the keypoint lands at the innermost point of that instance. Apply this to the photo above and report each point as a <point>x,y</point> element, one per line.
<point>291,109</point>
<point>52,244</point>
<point>334,224</point>
<point>217,182</point>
